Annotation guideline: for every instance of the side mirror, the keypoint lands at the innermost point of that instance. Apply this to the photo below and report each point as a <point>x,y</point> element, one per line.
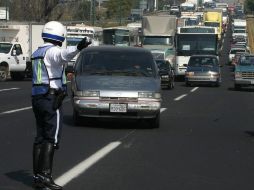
<point>14,52</point>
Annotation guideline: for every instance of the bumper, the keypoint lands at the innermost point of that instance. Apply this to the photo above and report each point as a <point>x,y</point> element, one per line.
<point>134,110</point>
<point>245,82</point>
<point>202,79</point>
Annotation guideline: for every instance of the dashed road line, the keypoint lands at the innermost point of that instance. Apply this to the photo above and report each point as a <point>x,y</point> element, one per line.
<point>194,89</point>
<point>8,89</point>
<point>86,164</point>
<point>80,168</point>
<point>180,97</point>
<point>16,110</point>
<point>184,95</point>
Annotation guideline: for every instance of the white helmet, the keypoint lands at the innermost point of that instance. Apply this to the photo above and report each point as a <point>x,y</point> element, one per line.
<point>54,30</point>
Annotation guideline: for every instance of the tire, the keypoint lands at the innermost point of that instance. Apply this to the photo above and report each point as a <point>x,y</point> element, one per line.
<point>17,75</point>
<point>76,118</point>
<point>237,87</point>
<point>3,73</point>
<point>187,84</point>
<point>155,122</point>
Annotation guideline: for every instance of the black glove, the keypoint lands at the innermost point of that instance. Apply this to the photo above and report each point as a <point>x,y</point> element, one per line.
<point>84,43</point>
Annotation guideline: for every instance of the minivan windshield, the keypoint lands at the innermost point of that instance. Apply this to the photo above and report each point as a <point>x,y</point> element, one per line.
<point>203,61</point>
<point>117,63</point>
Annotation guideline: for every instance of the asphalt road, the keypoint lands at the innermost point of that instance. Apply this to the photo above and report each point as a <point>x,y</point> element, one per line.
<point>204,142</point>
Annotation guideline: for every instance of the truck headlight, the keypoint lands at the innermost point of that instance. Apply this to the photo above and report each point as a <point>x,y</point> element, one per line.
<point>238,75</point>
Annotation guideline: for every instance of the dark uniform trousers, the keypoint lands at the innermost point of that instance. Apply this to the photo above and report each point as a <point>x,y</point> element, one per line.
<point>48,120</point>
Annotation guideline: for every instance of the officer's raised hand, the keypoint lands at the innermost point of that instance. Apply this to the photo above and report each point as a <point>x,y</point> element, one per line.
<point>84,43</point>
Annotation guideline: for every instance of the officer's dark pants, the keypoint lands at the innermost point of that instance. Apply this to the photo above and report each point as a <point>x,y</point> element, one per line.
<point>48,120</point>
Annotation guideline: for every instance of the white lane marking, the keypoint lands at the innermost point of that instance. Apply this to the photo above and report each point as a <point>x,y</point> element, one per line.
<point>16,110</point>
<point>194,89</point>
<point>86,164</point>
<point>8,89</point>
<point>163,109</point>
<point>180,97</point>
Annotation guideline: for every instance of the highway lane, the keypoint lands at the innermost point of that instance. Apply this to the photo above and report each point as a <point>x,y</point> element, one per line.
<point>202,143</point>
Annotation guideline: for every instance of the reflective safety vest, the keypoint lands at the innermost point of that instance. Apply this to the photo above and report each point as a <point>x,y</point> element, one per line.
<point>41,80</point>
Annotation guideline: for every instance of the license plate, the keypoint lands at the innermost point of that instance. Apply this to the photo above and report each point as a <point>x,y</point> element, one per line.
<point>119,108</point>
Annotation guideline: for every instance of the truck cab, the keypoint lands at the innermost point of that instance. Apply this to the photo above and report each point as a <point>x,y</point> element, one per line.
<point>12,61</point>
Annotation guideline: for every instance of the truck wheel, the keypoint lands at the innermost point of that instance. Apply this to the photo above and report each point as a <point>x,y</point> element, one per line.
<point>237,87</point>
<point>17,75</point>
<point>3,73</point>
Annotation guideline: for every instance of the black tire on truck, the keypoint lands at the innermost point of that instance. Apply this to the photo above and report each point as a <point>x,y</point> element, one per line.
<point>3,73</point>
<point>17,75</point>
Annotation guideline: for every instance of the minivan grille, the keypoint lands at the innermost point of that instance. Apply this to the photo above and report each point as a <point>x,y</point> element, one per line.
<point>248,75</point>
<point>121,99</point>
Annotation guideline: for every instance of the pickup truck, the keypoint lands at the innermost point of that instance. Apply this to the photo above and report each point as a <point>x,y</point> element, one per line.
<point>12,61</point>
<point>244,71</point>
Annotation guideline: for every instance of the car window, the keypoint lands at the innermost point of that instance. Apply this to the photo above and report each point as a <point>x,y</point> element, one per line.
<point>202,61</point>
<point>247,60</point>
<point>162,64</point>
<point>117,63</point>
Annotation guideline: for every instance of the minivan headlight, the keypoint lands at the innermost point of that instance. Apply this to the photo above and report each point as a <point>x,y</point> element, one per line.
<point>88,93</point>
<point>149,95</point>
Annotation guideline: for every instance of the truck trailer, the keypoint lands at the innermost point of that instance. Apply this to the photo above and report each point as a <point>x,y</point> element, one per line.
<point>158,35</point>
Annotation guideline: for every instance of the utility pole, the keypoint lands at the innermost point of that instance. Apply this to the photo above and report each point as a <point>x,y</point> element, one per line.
<point>92,12</point>
<point>120,13</point>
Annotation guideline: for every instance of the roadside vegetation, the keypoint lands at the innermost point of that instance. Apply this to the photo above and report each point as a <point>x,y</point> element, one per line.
<point>250,27</point>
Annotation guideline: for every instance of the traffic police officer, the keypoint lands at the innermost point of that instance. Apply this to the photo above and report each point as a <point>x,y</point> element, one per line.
<point>48,92</point>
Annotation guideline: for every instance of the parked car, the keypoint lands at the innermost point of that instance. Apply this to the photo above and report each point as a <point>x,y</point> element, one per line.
<point>167,73</point>
<point>203,69</point>
<point>116,82</point>
<point>244,71</point>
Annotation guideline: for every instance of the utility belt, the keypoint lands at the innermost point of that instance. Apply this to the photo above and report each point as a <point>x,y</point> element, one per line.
<point>59,96</point>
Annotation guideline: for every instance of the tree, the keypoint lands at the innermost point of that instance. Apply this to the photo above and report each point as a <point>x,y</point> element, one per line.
<point>119,8</point>
<point>249,4</point>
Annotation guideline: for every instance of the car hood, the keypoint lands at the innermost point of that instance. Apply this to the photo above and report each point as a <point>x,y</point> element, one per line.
<point>125,83</point>
<point>202,69</point>
<point>247,68</point>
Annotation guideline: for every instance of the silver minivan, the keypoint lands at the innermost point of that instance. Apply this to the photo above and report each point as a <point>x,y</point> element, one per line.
<point>116,82</point>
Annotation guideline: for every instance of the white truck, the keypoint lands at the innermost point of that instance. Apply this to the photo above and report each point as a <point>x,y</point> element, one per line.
<point>239,28</point>
<point>17,43</point>
<point>75,33</point>
<point>158,35</point>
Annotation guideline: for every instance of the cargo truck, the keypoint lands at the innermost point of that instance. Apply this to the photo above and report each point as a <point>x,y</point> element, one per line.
<point>17,43</point>
<point>158,35</point>
<point>194,40</point>
<point>213,18</point>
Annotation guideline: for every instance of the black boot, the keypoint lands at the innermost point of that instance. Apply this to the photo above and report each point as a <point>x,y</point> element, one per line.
<point>36,157</point>
<point>45,165</point>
